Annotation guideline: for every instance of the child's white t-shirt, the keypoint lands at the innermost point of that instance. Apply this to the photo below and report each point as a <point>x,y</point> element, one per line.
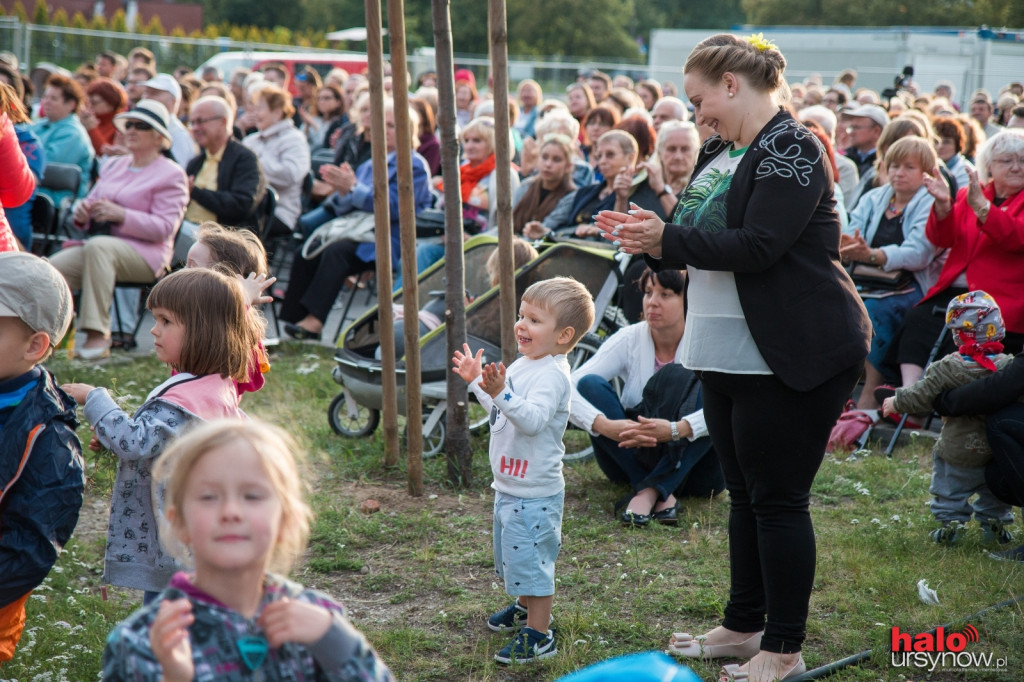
<point>528,419</point>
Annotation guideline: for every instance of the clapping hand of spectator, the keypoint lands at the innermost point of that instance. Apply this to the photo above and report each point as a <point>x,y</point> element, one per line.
<point>88,119</point>
<point>889,406</point>
<point>853,248</point>
<point>530,156</point>
<point>342,178</point>
<point>623,184</point>
<point>334,137</point>
<point>976,199</point>
<point>655,174</point>
<point>937,187</point>
<point>308,118</point>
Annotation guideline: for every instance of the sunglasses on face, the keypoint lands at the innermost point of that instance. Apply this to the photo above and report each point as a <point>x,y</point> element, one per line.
<point>137,125</point>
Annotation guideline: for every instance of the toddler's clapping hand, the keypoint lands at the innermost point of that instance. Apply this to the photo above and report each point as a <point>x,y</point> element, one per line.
<point>493,379</point>
<point>889,406</point>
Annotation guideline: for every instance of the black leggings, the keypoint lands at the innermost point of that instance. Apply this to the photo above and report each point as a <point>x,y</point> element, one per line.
<point>771,440</point>
<point>313,285</point>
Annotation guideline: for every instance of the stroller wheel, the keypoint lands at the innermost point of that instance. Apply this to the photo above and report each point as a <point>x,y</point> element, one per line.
<point>433,442</point>
<point>349,418</point>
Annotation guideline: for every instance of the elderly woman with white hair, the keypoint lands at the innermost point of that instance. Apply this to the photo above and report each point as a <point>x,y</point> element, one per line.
<point>669,174</point>
<point>130,218</point>
<point>983,231</point>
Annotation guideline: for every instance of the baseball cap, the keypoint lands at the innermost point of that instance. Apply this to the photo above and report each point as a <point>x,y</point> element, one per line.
<point>872,111</point>
<point>35,292</point>
<point>166,83</point>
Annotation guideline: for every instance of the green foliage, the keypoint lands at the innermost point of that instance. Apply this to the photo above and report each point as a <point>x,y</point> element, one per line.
<point>117,22</point>
<point>98,22</point>
<point>20,12</point>
<point>60,18</point>
<point>154,27</point>
<point>79,21</point>
<point>41,13</point>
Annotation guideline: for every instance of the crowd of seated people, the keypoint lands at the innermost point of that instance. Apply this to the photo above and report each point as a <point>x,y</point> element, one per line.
<point>607,141</point>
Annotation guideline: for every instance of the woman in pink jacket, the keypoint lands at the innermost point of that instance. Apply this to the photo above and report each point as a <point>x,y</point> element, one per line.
<point>130,216</point>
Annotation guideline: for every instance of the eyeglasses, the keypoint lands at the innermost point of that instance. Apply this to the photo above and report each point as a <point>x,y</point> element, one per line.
<point>137,125</point>
<point>196,122</point>
<point>1009,160</point>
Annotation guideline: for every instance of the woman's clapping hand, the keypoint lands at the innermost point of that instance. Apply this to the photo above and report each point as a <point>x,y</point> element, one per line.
<point>639,231</point>
<point>937,187</point>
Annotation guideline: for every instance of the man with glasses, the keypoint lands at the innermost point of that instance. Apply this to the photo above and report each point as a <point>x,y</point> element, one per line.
<point>225,178</point>
<point>864,126</point>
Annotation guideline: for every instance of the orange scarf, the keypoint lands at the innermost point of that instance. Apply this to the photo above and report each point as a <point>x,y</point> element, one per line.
<point>470,176</point>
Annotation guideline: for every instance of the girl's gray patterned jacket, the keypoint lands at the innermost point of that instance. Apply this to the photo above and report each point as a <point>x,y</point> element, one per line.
<point>219,636</point>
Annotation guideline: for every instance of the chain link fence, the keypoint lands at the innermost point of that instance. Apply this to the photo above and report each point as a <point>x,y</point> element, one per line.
<point>70,47</point>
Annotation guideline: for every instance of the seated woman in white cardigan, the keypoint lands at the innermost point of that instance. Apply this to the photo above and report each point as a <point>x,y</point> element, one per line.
<point>653,437</point>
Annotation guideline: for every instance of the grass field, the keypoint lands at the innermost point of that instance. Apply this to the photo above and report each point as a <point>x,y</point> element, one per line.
<point>418,576</point>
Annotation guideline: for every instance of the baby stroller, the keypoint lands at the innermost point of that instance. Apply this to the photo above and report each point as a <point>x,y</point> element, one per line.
<point>355,412</point>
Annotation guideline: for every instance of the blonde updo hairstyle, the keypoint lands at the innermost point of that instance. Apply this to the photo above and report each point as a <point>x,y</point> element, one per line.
<point>725,53</point>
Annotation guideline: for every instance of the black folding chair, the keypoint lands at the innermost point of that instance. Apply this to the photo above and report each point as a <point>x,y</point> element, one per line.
<point>44,225</point>
<point>936,310</point>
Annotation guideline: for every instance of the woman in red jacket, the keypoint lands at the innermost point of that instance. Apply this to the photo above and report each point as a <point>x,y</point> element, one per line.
<point>983,231</point>
<point>16,180</point>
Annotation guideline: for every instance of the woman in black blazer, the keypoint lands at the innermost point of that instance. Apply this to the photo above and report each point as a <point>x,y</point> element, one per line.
<point>775,331</point>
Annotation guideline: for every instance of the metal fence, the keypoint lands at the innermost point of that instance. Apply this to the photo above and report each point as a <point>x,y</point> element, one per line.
<point>70,47</point>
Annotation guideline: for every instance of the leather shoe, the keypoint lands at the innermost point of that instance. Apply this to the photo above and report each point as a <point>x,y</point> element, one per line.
<point>882,392</point>
<point>667,516</point>
<point>688,646</point>
<point>631,518</point>
<point>300,333</point>
<point>90,354</point>
<point>732,673</point>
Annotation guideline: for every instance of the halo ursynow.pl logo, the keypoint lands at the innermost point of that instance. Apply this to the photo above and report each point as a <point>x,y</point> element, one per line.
<point>941,649</point>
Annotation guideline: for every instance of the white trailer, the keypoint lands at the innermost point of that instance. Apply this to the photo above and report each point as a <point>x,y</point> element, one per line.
<point>971,58</point>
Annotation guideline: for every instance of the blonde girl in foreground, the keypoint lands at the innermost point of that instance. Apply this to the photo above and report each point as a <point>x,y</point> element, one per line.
<point>235,507</point>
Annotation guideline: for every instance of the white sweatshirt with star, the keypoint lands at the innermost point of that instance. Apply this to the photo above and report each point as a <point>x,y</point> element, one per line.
<point>528,419</point>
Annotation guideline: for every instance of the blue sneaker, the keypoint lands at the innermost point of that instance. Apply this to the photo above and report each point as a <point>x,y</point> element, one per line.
<point>994,530</point>
<point>948,534</point>
<point>1015,554</point>
<point>509,618</point>
<point>528,646</point>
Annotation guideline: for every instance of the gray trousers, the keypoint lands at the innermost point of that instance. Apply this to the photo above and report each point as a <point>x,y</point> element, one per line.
<point>952,488</point>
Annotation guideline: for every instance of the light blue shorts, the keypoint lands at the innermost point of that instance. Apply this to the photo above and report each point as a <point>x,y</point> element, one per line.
<point>527,539</point>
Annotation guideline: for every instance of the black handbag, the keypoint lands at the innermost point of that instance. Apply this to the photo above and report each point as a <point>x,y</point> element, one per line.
<point>874,277</point>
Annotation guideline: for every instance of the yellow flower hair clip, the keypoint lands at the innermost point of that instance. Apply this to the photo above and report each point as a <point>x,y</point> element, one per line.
<point>760,42</point>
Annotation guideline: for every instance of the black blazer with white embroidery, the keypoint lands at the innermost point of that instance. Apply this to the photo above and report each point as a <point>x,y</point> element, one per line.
<point>782,243</point>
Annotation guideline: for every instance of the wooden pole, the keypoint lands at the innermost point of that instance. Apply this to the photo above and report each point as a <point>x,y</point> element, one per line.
<point>503,162</point>
<point>460,464</point>
<point>407,220</point>
<point>382,227</point>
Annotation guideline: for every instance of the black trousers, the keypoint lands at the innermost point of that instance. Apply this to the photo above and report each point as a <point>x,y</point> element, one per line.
<point>314,284</point>
<point>1005,473</point>
<point>770,440</point>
